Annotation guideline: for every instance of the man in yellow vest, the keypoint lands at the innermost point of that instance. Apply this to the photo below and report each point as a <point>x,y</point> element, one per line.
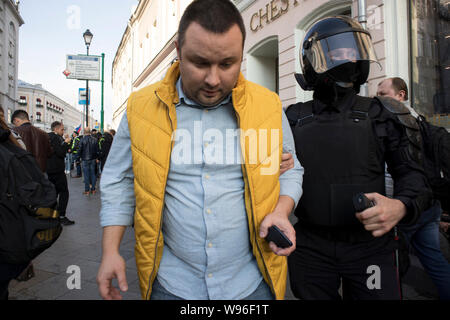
<point>195,167</point>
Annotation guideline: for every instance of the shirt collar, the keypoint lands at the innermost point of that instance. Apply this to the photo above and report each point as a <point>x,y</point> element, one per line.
<point>184,100</point>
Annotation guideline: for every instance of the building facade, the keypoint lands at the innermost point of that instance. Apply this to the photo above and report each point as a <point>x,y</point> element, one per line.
<point>411,39</point>
<point>10,22</point>
<point>146,50</point>
<point>44,108</point>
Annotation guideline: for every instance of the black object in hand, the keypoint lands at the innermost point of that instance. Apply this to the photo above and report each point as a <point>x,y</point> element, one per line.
<point>361,202</point>
<point>276,236</point>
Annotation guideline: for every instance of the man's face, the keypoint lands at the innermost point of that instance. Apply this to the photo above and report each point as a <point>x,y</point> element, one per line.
<point>59,130</point>
<point>210,63</point>
<point>385,89</point>
<point>18,122</point>
<point>343,54</point>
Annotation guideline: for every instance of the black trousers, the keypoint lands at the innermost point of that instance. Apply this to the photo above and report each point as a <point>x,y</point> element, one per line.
<point>62,191</point>
<point>366,269</point>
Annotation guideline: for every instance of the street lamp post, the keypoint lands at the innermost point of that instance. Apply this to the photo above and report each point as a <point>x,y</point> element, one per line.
<point>87,35</point>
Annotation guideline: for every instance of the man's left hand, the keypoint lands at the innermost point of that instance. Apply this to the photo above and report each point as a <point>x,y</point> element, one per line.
<point>287,162</point>
<point>280,219</point>
<point>385,215</point>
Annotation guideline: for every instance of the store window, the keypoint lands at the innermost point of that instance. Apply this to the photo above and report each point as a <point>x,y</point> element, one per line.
<point>430,59</point>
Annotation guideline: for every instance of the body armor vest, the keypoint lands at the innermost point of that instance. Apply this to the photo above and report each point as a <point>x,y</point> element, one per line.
<point>340,155</point>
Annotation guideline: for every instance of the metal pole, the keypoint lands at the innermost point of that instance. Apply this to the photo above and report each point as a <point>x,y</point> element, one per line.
<point>87,97</point>
<point>362,19</point>
<point>102,116</point>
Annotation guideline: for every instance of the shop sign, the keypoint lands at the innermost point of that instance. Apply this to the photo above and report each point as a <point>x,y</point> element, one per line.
<point>272,11</point>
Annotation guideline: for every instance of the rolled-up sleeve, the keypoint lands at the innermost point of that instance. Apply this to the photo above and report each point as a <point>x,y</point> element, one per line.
<point>117,183</point>
<point>291,181</point>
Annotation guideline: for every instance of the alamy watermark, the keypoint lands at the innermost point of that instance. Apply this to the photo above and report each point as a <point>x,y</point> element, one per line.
<point>224,147</point>
<point>73,21</point>
<point>74,281</point>
<point>374,280</point>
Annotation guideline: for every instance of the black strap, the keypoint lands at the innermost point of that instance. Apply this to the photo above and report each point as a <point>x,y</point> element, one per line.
<point>305,113</point>
<point>360,109</point>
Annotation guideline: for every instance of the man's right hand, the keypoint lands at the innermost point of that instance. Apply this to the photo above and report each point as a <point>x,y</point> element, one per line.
<point>112,267</point>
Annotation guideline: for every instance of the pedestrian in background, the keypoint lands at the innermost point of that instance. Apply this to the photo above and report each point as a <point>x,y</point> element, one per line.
<point>15,135</point>
<point>56,168</point>
<point>88,152</point>
<point>75,145</point>
<point>35,139</point>
<point>10,271</point>
<point>200,224</point>
<point>424,234</point>
<point>104,144</point>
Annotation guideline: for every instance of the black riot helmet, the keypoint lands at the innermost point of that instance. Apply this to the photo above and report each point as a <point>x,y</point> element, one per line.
<point>335,49</point>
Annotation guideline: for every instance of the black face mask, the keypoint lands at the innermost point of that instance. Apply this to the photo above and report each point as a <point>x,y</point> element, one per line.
<point>327,91</point>
<point>347,72</point>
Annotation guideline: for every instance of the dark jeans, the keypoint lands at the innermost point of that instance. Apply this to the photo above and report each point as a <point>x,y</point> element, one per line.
<point>261,293</point>
<point>90,178</point>
<point>424,237</point>
<point>62,190</point>
<point>7,273</point>
<point>318,266</point>
<point>77,162</point>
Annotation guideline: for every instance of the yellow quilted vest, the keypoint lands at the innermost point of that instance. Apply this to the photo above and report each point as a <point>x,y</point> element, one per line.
<point>152,120</point>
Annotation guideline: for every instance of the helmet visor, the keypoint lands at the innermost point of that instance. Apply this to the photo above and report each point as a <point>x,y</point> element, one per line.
<point>330,52</point>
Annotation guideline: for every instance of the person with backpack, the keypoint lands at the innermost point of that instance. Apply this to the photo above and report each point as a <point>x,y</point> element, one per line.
<point>28,219</point>
<point>8,271</point>
<point>424,234</point>
<point>56,168</point>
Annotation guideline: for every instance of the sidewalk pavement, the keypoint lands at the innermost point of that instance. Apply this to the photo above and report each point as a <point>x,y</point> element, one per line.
<point>80,245</point>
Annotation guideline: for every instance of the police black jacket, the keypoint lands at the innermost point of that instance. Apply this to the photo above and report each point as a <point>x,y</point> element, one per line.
<point>55,164</point>
<point>88,148</point>
<point>343,147</point>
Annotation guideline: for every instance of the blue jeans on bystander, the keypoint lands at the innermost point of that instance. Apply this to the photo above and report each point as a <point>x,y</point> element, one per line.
<point>424,237</point>
<point>90,179</point>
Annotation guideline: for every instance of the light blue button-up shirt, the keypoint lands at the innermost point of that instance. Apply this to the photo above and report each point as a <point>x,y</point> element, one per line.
<point>207,252</point>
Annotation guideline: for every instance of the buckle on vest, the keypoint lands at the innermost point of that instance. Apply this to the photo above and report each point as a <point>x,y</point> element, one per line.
<point>305,120</point>
<point>358,115</point>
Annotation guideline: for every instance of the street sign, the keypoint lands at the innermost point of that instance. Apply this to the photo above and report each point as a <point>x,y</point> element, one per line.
<point>82,96</point>
<point>83,67</point>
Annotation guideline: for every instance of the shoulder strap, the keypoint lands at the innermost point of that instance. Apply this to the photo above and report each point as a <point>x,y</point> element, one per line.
<point>300,114</point>
<point>360,109</point>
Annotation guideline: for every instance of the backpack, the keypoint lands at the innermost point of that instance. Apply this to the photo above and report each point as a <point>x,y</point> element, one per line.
<point>436,162</point>
<point>29,223</point>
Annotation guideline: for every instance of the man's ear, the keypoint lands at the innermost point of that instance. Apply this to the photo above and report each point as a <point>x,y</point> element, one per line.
<point>402,94</point>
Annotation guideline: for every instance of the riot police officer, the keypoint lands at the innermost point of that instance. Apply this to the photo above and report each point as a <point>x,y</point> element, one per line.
<point>343,141</point>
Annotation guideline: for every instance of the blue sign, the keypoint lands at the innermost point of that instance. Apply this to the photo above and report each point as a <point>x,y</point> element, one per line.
<point>82,96</point>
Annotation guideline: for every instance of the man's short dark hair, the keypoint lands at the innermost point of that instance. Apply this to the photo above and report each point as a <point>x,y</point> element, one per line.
<point>216,16</point>
<point>55,125</point>
<point>20,114</point>
<point>399,84</point>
